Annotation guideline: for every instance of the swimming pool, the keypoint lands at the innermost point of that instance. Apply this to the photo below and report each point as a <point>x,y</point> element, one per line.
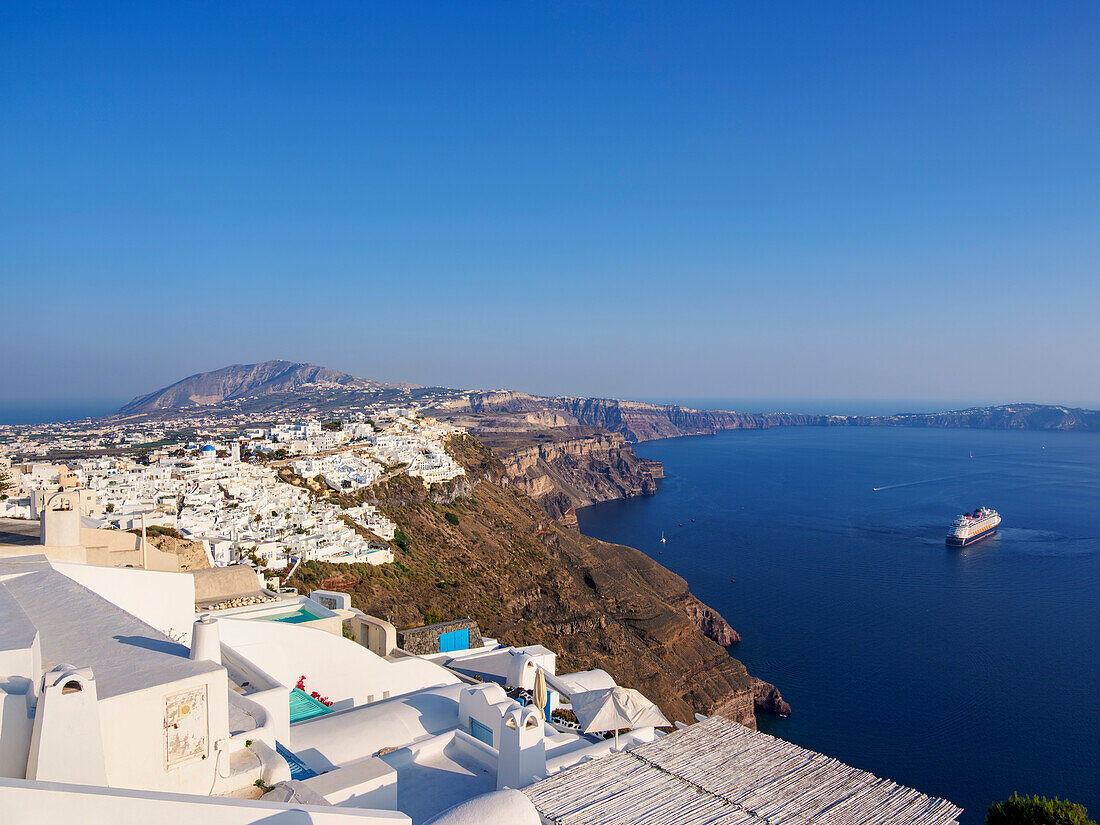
<point>296,617</point>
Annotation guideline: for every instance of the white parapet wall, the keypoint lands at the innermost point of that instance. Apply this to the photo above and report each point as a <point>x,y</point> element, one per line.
<point>164,600</point>
<point>347,673</point>
<point>36,803</point>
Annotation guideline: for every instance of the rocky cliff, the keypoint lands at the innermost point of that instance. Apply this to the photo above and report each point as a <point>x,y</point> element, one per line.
<point>638,421</point>
<point>573,466</point>
<point>528,580</point>
<point>1004,417</point>
<point>634,420</point>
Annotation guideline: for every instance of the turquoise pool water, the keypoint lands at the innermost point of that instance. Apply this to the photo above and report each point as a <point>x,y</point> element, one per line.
<point>297,617</point>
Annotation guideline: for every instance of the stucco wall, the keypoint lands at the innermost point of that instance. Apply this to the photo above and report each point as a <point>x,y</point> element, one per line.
<point>35,803</point>
<point>133,727</point>
<point>164,600</point>
<point>338,668</point>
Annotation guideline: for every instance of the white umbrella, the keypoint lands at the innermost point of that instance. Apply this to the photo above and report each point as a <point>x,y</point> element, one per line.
<point>540,690</point>
<point>615,708</point>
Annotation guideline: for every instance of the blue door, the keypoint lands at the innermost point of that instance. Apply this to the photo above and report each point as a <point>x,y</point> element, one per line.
<point>454,640</point>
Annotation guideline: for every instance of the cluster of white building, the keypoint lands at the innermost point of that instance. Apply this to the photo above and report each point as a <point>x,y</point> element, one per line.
<point>236,509</point>
<point>342,471</point>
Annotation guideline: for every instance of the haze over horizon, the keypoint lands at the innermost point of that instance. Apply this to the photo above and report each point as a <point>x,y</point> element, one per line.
<point>648,201</point>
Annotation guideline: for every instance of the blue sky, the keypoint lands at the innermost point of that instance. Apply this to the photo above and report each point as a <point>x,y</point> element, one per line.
<point>734,199</point>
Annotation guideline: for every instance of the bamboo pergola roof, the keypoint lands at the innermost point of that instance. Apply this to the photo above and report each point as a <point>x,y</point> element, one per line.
<point>717,772</point>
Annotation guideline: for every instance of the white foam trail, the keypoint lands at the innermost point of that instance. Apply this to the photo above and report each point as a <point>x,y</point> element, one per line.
<point>925,481</point>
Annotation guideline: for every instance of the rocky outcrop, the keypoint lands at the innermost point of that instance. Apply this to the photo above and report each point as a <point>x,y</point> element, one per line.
<point>528,580</point>
<point>574,467</point>
<point>710,623</point>
<point>191,554</point>
<point>767,699</point>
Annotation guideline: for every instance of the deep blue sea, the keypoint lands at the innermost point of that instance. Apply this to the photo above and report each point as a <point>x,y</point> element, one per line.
<point>34,412</point>
<point>967,674</point>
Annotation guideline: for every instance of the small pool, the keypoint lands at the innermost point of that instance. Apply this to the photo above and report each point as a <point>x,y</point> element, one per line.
<point>296,617</point>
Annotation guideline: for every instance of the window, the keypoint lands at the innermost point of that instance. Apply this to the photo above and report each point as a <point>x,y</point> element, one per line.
<point>481,732</point>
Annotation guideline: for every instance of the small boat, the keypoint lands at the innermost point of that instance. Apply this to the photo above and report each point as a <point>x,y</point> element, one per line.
<point>663,539</point>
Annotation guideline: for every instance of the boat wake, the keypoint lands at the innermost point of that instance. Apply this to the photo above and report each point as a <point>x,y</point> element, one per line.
<point>925,481</point>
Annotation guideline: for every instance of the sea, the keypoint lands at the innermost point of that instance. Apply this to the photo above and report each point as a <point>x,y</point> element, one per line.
<point>37,412</point>
<point>967,673</point>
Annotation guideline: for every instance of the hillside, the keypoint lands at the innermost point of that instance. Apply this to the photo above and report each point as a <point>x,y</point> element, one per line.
<point>529,580</point>
<point>240,381</point>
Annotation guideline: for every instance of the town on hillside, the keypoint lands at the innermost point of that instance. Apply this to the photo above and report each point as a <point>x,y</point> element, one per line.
<point>157,664</point>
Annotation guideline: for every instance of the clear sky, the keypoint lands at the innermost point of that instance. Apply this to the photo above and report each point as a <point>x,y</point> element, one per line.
<point>877,200</point>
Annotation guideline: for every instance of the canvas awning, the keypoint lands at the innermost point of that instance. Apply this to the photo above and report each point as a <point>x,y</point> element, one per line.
<point>615,708</point>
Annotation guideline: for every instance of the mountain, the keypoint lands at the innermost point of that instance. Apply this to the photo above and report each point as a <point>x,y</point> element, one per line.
<point>240,381</point>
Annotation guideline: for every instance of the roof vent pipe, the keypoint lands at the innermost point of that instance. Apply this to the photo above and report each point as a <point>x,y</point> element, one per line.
<point>205,640</point>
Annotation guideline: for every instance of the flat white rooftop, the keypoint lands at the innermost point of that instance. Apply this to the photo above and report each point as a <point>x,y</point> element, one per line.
<point>76,626</point>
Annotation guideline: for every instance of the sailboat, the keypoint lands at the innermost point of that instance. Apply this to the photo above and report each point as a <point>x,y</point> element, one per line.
<point>663,539</point>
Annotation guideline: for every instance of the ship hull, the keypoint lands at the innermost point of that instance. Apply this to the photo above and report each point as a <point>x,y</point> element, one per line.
<point>954,541</point>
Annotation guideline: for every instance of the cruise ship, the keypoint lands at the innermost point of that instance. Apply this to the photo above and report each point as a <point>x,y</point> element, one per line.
<point>971,527</point>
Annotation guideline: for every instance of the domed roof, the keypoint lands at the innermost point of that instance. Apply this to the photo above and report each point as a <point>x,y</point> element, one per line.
<point>505,807</point>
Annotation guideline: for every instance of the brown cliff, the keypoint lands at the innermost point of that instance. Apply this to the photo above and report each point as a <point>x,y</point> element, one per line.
<point>634,420</point>
<point>766,698</point>
<point>527,580</point>
<point>573,466</point>
<point>710,623</point>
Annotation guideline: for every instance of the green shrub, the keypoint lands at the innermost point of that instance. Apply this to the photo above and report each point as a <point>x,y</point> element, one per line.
<point>1036,810</point>
<point>451,518</point>
<point>401,540</point>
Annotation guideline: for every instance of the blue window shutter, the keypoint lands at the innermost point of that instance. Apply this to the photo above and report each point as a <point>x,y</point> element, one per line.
<point>481,732</point>
<point>454,640</point>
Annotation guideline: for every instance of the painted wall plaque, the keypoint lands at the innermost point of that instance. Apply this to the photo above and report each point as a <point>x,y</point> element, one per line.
<point>185,726</point>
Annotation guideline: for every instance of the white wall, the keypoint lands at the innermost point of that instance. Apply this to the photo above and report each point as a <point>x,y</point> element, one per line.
<point>38,803</point>
<point>164,600</point>
<point>345,672</point>
<point>133,737</point>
